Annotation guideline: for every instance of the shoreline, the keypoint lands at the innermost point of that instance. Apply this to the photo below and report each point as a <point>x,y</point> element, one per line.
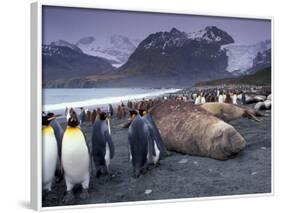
<point>103,102</point>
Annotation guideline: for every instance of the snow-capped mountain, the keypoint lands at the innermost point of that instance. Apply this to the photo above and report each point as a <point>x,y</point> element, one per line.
<point>176,57</point>
<point>62,43</point>
<point>240,57</point>
<point>63,62</point>
<point>211,34</point>
<point>116,48</point>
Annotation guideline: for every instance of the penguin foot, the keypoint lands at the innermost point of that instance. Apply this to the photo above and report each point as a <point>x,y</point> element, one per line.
<point>69,197</point>
<point>84,194</point>
<point>157,164</point>
<point>59,178</point>
<point>98,174</point>
<point>52,195</point>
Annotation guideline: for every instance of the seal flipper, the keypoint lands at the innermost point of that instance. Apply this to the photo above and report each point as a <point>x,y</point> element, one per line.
<point>251,116</point>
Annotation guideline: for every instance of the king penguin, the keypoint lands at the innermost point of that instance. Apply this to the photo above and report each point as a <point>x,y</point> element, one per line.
<point>102,145</point>
<point>59,135</point>
<point>49,150</point>
<point>82,115</point>
<point>141,150</point>
<point>75,158</point>
<point>158,144</point>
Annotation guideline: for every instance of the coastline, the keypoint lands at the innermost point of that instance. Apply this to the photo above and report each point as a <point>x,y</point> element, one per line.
<point>103,102</point>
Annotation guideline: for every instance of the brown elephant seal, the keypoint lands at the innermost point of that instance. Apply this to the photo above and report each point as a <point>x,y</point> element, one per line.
<point>260,106</point>
<point>267,104</point>
<point>229,112</point>
<point>189,129</point>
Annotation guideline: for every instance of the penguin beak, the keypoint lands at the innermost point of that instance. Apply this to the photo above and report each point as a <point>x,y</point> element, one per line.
<point>52,118</point>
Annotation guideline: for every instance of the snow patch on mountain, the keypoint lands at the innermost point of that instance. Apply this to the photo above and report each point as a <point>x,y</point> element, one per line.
<point>116,48</point>
<point>240,57</point>
<point>62,43</point>
<point>176,38</point>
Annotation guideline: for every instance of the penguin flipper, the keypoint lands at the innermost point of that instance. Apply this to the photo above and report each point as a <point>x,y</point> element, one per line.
<point>157,137</point>
<point>150,144</point>
<point>110,144</point>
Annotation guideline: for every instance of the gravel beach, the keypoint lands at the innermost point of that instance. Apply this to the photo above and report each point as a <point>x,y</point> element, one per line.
<point>179,176</point>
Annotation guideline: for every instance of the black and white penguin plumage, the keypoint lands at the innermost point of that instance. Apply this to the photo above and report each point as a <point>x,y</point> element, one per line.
<point>49,152</point>
<point>102,145</point>
<point>141,145</point>
<point>110,110</point>
<point>59,135</point>
<point>158,144</point>
<point>82,115</point>
<point>75,158</point>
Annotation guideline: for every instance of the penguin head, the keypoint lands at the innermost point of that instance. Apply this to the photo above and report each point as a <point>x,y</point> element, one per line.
<point>133,114</point>
<point>102,116</point>
<point>142,112</point>
<point>47,118</point>
<point>73,121</point>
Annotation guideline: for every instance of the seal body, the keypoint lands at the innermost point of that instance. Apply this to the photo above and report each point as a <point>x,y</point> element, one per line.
<point>187,128</point>
<point>49,157</point>
<point>228,112</point>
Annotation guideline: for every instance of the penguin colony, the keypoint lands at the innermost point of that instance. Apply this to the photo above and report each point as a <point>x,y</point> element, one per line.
<point>66,154</point>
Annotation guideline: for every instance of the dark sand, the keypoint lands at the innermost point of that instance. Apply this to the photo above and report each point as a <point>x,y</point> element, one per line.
<point>180,176</point>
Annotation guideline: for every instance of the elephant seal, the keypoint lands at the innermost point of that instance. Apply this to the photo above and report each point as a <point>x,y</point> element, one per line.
<point>229,112</point>
<point>267,104</point>
<point>260,106</point>
<point>189,129</point>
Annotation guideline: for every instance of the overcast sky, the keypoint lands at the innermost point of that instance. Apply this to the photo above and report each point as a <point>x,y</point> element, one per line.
<point>72,24</point>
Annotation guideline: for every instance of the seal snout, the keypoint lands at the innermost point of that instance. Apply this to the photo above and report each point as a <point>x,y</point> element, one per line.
<point>233,141</point>
<point>227,142</point>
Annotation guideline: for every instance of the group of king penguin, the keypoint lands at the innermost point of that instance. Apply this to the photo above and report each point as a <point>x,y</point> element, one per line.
<point>67,155</point>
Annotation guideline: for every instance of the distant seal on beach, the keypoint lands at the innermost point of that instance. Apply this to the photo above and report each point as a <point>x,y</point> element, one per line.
<point>260,106</point>
<point>229,112</point>
<point>187,128</point>
<point>267,104</point>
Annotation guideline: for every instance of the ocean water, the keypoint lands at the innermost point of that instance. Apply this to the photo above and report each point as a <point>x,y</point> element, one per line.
<point>58,99</point>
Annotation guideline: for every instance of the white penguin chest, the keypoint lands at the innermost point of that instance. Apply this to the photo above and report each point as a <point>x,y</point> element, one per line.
<point>75,155</point>
<point>50,153</point>
<point>157,153</point>
<point>107,155</point>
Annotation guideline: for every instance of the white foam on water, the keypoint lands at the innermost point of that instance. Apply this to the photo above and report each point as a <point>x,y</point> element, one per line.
<point>106,100</point>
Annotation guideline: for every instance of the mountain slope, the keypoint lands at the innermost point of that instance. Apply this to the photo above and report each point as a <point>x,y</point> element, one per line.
<point>261,77</point>
<point>116,48</point>
<point>180,56</point>
<point>62,62</point>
